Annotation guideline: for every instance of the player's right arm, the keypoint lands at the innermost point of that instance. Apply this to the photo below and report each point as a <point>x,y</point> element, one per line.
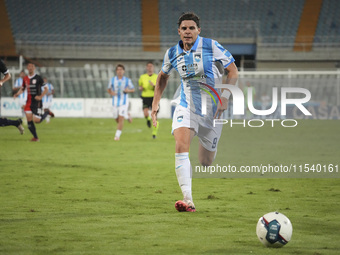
<point>162,81</point>
<point>140,83</point>
<point>21,89</point>
<point>4,70</point>
<point>18,93</point>
<point>110,90</point>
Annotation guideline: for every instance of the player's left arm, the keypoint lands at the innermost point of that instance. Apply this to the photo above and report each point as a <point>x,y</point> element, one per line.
<point>130,88</point>
<point>52,90</point>
<point>231,79</point>
<point>140,83</point>
<point>161,83</point>
<point>228,62</point>
<point>45,91</point>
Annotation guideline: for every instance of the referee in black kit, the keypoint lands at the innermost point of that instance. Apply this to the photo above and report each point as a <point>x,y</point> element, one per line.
<point>4,121</point>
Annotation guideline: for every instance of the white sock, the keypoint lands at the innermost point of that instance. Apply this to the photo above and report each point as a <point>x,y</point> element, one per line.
<point>183,172</point>
<point>118,133</point>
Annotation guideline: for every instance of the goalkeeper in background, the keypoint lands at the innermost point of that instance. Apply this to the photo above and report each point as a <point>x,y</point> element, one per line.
<point>147,84</point>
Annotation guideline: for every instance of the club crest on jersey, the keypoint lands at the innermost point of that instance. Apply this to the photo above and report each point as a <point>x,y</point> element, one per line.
<point>198,57</point>
<point>34,81</point>
<point>180,118</point>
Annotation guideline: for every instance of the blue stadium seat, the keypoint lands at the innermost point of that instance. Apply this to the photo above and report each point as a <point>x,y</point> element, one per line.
<point>328,28</point>
<point>76,21</point>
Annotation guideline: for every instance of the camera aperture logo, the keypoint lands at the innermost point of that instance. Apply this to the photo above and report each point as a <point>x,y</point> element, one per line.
<point>204,102</point>
<point>239,104</point>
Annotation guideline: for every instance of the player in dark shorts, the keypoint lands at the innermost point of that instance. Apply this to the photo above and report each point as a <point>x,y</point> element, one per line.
<point>35,91</point>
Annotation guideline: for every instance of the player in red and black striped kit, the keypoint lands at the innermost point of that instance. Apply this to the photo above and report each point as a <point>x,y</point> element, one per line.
<point>35,92</point>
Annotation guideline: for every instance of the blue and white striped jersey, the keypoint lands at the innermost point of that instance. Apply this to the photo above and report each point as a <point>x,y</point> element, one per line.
<point>48,98</point>
<point>18,84</point>
<point>118,86</point>
<point>203,63</point>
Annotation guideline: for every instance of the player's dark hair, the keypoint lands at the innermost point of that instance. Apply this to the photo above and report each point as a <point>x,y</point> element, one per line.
<point>189,16</point>
<point>149,62</point>
<point>120,65</point>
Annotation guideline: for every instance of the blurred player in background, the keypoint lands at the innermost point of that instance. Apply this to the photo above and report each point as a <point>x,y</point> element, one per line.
<point>22,97</point>
<point>47,100</point>
<point>4,122</point>
<point>198,61</point>
<point>119,86</point>
<point>35,92</point>
<point>147,84</point>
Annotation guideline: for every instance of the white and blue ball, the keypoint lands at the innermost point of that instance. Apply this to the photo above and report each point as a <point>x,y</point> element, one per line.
<point>274,229</point>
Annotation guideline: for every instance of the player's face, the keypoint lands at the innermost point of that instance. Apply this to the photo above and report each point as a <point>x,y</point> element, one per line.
<point>22,74</point>
<point>149,68</point>
<point>120,71</point>
<point>188,31</point>
<point>31,68</point>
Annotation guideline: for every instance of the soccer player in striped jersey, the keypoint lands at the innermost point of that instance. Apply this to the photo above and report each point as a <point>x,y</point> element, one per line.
<point>119,86</point>
<point>47,100</point>
<point>200,62</point>
<point>22,97</point>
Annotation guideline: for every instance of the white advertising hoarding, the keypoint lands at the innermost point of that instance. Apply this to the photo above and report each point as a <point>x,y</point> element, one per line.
<point>89,107</point>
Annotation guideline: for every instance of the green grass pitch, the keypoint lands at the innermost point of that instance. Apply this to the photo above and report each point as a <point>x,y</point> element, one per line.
<point>78,191</point>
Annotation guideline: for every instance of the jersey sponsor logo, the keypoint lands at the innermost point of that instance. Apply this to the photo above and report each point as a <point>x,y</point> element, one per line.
<point>190,67</point>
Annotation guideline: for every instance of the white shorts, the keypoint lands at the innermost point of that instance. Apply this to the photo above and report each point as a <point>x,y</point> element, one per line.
<point>208,134</point>
<point>47,105</point>
<point>120,111</point>
<point>22,102</point>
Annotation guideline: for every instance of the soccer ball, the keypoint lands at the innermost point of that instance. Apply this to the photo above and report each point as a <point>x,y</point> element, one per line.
<point>274,229</point>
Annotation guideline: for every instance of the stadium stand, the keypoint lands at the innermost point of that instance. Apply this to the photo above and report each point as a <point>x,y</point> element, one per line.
<point>236,19</point>
<point>76,21</point>
<point>104,23</point>
<point>110,31</point>
<point>328,28</point>
<point>81,29</point>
